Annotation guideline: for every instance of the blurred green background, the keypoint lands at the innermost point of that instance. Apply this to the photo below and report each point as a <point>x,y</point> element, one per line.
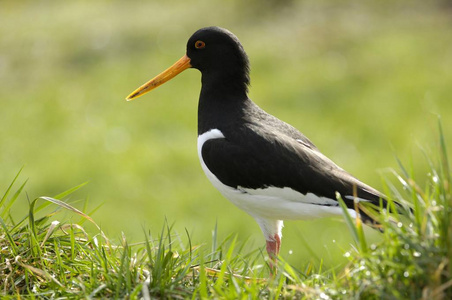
<point>364,80</point>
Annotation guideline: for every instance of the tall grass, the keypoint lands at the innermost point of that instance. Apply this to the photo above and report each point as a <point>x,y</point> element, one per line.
<point>413,259</point>
<point>46,255</point>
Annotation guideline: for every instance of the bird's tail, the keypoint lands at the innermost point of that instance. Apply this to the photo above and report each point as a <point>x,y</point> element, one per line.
<point>370,213</point>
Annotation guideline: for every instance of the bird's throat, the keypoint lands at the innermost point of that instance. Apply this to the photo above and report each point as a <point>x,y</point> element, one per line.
<point>224,86</point>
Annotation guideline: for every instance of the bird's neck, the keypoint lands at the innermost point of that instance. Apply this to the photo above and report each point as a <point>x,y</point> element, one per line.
<point>227,83</point>
<point>221,101</point>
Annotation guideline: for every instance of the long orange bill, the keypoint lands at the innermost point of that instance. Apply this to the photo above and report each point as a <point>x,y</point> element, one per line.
<point>180,65</point>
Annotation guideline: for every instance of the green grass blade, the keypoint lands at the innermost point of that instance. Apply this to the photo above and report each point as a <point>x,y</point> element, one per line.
<point>13,199</point>
<point>444,156</point>
<point>225,264</point>
<point>348,219</point>
<point>202,286</point>
<point>10,239</point>
<point>70,208</point>
<point>33,240</point>
<point>122,267</point>
<point>60,196</point>
<point>8,190</point>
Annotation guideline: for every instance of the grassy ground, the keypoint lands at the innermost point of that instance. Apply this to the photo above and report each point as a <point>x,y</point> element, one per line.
<point>361,80</point>
<point>49,257</point>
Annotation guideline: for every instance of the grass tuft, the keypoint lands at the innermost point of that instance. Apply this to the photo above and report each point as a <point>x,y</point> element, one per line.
<point>413,259</point>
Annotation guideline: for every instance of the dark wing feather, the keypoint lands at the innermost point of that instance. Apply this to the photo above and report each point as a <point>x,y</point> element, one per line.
<point>253,157</point>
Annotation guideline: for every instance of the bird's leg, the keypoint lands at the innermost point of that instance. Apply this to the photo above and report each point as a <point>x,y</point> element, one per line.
<point>273,247</point>
<point>271,229</point>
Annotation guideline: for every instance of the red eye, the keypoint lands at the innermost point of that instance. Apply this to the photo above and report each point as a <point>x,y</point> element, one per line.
<point>200,45</point>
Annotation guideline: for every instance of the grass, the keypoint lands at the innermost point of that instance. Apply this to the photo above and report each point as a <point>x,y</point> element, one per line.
<point>44,256</point>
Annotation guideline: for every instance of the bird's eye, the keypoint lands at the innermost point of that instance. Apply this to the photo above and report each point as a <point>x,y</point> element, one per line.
<point>200,45</point>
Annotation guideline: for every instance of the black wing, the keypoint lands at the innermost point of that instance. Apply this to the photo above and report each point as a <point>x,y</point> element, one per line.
<point>254,157</point>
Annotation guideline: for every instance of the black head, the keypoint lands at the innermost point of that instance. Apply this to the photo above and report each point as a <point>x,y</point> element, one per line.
<point>220,57</point>
<point>218,54</point>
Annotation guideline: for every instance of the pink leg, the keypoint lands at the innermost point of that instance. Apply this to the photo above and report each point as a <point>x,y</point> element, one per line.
<point>273,247</point>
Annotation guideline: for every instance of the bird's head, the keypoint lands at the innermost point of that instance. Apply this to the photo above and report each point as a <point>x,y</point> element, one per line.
<point>214,51</point>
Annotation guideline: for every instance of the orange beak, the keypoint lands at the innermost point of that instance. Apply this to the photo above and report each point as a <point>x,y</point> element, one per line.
<point>180,65</point>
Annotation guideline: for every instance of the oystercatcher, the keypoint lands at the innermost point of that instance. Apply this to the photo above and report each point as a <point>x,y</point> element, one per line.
<point>261,164</point>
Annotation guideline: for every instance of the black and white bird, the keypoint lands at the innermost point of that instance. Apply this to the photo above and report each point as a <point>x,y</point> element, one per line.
<point>261,164</point>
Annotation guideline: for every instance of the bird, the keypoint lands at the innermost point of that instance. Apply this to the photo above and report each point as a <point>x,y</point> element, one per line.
<point>261,164</point>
